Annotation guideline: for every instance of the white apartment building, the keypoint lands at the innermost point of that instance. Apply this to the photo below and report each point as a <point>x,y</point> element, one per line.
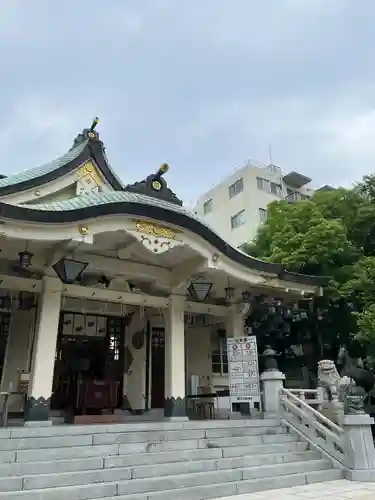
<point>235,207</point>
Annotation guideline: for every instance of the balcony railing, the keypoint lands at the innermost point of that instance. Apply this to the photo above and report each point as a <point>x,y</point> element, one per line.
<point>296,196</point>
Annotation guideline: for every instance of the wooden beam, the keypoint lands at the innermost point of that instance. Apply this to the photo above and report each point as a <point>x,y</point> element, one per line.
<point>204,308</point>
<point>116,267</point>
<point>20,284</point>
<point>127,298</point>
<point>182,273</point>
<point>139,299</point>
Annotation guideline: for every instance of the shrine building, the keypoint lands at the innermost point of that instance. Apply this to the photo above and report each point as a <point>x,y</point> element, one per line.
<point>115,298</point>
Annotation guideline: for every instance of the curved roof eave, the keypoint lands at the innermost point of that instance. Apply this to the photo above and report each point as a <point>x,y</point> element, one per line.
<point>61,166</point>
<point>133,207</point>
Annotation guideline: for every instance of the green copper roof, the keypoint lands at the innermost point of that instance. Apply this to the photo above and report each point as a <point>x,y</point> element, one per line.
<point>93,199</point>
<point>43,169</point>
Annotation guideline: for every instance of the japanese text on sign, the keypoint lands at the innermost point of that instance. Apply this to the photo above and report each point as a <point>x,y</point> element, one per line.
<point>243,369</point>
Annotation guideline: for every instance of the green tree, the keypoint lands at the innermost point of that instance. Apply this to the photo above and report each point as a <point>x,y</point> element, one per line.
<point>299,236</point>
<point>328,235</point>
<point>332,234</point>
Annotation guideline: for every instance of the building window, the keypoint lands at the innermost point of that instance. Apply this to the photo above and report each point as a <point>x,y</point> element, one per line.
<point>207,207</point>
<point>263,184</point>
<point>237,220</point>
<point>276,189</point>
<point>236,188</point>
<point>269,187</point>
<point>219,357</point>
<point>263,215</point>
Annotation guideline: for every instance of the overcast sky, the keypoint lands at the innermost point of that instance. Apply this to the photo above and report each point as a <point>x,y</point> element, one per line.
<point>201,84</point>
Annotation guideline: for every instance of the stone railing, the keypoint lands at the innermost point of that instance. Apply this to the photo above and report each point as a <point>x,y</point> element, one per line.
<point>318,430</point>
<point>312,397</point>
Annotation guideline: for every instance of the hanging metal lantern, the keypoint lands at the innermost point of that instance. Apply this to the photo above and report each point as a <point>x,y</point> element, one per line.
<point>229,292</point>
<point>25,258</point>
<point>199,290</point>
<point>69,270</point>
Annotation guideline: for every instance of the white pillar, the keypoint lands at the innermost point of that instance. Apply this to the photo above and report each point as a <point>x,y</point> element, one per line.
<point>359,448</point>
<point>272,383</point>
<point>44,351</point>
<point>235,323</point>
<point>174,391</point>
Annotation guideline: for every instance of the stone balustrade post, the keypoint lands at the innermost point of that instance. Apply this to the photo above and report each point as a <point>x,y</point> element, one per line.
<point>272,383</point>
<point>359,450</point>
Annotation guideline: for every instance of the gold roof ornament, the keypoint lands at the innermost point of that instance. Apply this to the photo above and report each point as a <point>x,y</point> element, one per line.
<point>164,167</point>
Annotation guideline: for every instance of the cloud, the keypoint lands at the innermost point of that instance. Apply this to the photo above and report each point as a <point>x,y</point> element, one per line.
<point>203,85</point>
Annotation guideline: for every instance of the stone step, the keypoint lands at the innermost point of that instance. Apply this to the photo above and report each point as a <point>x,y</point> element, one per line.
<point>63,447</point>
<point>149,459</point>
<point>74,430</point>
<point>229,449</point>
<point>134,437</point>
<point>230,489</point>
<point>238,451</point>
<point>174,485</point>
<point>126,439</point>
<point>196,479</point>
<point>272,483</point>
<point>154,459</point>
<point>102,475</point>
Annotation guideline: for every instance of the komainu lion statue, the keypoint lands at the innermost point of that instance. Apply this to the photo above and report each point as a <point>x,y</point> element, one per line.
<point>329,380</point>
<point>348,392</point>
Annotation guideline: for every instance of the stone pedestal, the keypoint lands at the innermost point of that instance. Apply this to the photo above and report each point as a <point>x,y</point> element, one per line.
<point>358,447</point>
<point>272,383</point>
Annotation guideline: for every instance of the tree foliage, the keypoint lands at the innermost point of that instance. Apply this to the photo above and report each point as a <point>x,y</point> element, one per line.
<point>332,234</point>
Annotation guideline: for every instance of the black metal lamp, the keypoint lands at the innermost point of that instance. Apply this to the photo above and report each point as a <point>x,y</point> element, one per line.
<point>229,292</point>
<point>246,296</point>
<point>25,258</point>
<point>199,289</point>
<point>69,270</point>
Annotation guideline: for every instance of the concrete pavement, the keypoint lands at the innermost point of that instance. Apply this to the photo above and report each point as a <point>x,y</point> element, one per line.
<point>335,490</point>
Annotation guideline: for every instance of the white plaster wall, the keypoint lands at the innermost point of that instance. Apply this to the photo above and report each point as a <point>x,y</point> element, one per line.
<point>198,345</point>
<point>135,379</point>
<point>251,199</point>
<point>18,353</point>
<point>62,195</point>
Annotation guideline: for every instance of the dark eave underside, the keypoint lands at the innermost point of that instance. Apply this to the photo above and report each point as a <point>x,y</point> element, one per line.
<point>136,209</point>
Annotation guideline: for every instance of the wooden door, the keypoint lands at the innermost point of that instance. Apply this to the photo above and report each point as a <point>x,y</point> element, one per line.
<point>157,367</point>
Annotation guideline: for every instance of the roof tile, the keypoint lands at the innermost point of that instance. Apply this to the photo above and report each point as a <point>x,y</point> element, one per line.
<point>43,169</point>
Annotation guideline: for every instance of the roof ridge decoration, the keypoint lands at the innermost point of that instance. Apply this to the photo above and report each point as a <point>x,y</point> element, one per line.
<point>87,146</point>
<point>155,186</point>
<point>88,134</point>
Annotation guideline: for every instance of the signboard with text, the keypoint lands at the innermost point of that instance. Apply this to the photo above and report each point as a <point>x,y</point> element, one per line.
<point>243,368</point>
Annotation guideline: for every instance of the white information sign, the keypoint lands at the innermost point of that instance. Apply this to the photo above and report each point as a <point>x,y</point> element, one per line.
<point>243,368</point>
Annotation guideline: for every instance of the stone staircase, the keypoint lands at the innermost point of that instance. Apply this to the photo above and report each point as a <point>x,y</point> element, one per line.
<point>192,460</point>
